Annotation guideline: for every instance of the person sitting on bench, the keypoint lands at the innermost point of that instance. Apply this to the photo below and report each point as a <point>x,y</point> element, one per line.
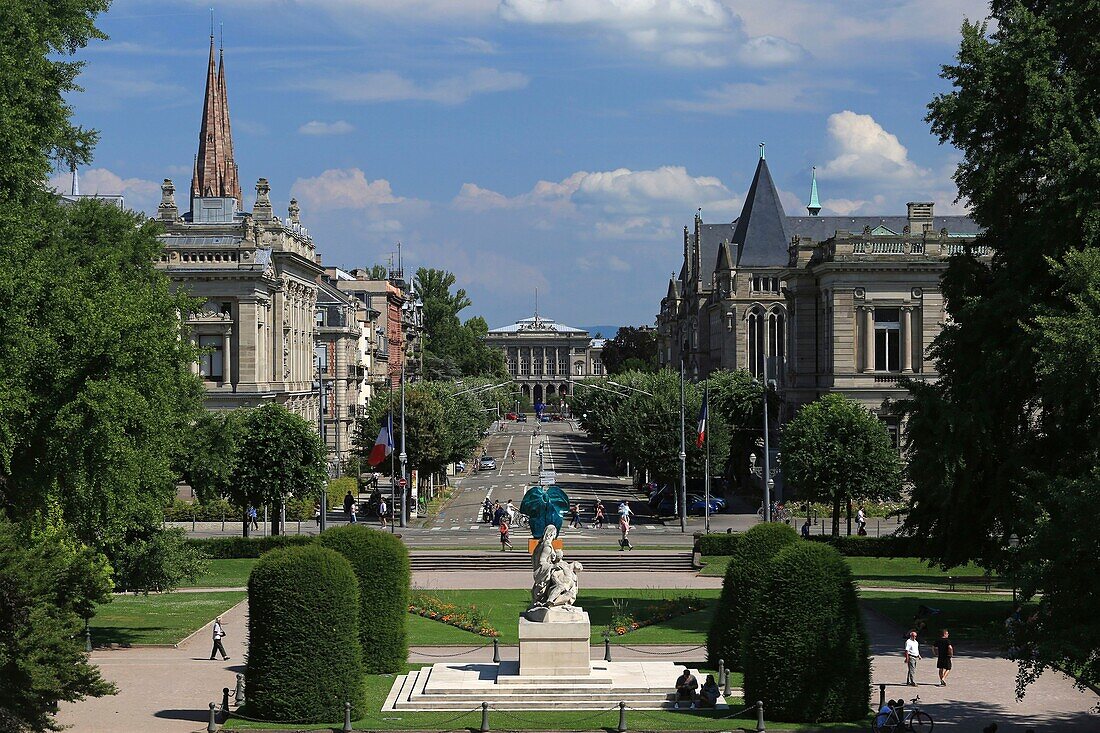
<point>686,685</point>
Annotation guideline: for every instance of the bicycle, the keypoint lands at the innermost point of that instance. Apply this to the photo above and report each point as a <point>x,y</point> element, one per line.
<point>898,719</point>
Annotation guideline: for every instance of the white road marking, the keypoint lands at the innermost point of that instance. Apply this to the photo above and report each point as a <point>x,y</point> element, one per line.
<point>504,459</point>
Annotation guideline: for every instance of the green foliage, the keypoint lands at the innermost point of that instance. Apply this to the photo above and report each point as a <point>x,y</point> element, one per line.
<point>452,348</point>
<point>304,658</point>
<point>806,653</point>
<point>835,451</point>
<point>466,617</point>
<point>339,487</point>
<point>154,560</point>
<point>280,456</point>
<point>230,548</point>
<point>381,563</point>
<point>1005,442</point>
<point>36,79</point>
<point>745,576</point>
<point>718,544</point>
<point>208,456</point>
<point>739,398</point>
<point>49,583</point>
<point>885,546</point>
<point>632,349</point>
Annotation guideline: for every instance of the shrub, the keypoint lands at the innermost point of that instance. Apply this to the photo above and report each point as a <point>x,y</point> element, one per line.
<point>743,576</point>
<point>231,548</point>
<point>338,487</point>
<point>717,544</point>
<point>381,563</point>
<point>805,647</point>
<point>304,658</point>
<point>213,510</point>
<point>886,546</point>
<point>151,559</point>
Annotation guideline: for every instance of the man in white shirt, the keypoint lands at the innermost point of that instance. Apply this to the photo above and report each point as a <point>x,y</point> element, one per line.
<point>912,654</point>
<point>219,634</point>
<point>624,510</point>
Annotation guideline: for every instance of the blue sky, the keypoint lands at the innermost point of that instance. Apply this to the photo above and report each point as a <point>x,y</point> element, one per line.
<point>557,144</point>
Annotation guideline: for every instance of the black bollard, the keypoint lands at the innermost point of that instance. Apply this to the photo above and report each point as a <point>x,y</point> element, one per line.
<point>496,650</point>
<point>759,716</point>
<point>347,717</point>
<point>225,701</point>
<point>721,671</point>
<point>622,718</point>
<point>484,717</point>
<point>212,723</point>
<point>87,638</point>
<point>881,696</point>
<point>727,691</point>
<point>606,649</point>
<point>239,694</point>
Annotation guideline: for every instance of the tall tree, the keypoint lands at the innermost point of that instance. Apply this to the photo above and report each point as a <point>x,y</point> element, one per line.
<point>1005,441</point>
<point>632,349</point>
<point>835,451</point>
<point>452,348</point>
<point>279,456</point>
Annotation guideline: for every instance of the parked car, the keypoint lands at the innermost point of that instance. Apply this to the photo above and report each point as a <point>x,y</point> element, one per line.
<point>544,418</point>
<point>521,417</point>
<point>510,416</point>
<point>695,504</point>
<point>487,463</point>
<point>460,467</point>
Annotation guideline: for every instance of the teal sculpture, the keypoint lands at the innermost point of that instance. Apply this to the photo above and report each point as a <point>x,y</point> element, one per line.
<point>544,507</point>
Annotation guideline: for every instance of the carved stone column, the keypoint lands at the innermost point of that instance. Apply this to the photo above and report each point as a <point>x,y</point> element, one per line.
<point>227,361</point>
<point>907,339</point>
<point>869,338</point>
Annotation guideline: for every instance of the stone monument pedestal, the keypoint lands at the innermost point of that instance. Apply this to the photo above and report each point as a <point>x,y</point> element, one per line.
<point>554,642</point>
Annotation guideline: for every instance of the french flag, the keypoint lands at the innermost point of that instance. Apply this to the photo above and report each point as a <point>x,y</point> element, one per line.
<point>383,445</point>
<point>702,422</point>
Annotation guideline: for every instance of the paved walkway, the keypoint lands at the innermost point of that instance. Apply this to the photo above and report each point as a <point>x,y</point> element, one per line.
<point>981,689</point>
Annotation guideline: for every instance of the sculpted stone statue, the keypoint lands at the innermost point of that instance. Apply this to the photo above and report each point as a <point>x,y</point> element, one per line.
<point>556,582</point>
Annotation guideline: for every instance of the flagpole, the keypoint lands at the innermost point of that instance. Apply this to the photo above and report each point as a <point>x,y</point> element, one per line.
<point>706,462</point>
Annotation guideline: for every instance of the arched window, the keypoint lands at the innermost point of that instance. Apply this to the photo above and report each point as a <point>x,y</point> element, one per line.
<point>777,343</point>
<point>755,342</point>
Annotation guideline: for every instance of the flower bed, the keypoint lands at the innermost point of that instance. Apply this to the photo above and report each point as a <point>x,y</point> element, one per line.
<point>468,618</point>
<point>625,619</point>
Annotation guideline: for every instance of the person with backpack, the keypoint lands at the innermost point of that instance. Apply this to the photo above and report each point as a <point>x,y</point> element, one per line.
<point>505,544</point>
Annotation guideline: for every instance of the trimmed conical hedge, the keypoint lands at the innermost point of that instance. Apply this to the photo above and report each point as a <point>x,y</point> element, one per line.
<point>805,647</point>
<point>743,576</point>
<point>381,563</point>
<point>304,659</point>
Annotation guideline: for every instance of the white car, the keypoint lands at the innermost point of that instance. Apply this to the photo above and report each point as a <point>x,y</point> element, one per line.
<point>487,463</point>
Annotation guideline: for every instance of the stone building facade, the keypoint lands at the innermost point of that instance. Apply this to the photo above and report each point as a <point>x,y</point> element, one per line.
<point>542,356</point>
<point>817,303</point>
<point>257,275</point>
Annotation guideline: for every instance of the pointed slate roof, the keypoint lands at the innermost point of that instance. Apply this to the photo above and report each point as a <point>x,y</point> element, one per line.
<point>215,172</point>
<point>761,230</point>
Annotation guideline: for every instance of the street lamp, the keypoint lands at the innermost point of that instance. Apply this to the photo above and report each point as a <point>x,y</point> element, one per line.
<point>1013,543</point>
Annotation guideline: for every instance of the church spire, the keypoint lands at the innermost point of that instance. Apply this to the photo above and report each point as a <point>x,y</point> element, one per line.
<point>215,170</point>
<point>814,206</point>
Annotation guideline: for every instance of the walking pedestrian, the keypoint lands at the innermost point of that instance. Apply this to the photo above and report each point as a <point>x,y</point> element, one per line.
<point>861,522</point>
<point>912,655</point>
<point>624,528</point>
<point>317,514</point>
<point>944,652</point>
<point>487,510</point>
<point>353,518</point>
<point>624,509</point>
<point>252,522</point>
<point>505,544</point>
<point>575,516</point>
<point>598,523</point>
<point>806,528</point>
<point>219,634</point>
<point>349,501</point>
<point>383,510</point>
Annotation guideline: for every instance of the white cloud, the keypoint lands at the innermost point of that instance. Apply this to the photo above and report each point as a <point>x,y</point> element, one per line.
<point>770,51</point>
<point>140,194</point>
<point>472,44</point>
<point>389,86</point>
<point>343,188</point>
<point>784,95</point>
<point>679,32</point>
<point>316,127</point>
<point>867,152</point>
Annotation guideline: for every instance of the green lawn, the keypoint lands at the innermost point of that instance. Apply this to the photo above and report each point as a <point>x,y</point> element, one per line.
<point>225,574</point>
<point>504,606</point>
<point>162,618</point>
<point>888,572</point>
<point>378,687</point>
<point>970,617</point>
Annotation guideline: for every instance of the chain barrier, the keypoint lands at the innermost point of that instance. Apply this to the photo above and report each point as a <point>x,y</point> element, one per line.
<point>449,656</point>
<point>532,721</point>
<point>660,654</point>
<point>738,712</point>
<point>364,716</point>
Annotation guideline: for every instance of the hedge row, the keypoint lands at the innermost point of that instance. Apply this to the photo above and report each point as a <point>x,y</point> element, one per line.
<point>229,548</point>
<point>886,546</point>
<point>216,510</point>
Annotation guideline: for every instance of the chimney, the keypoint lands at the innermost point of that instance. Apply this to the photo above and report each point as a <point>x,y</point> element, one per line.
<point>920,217</point>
